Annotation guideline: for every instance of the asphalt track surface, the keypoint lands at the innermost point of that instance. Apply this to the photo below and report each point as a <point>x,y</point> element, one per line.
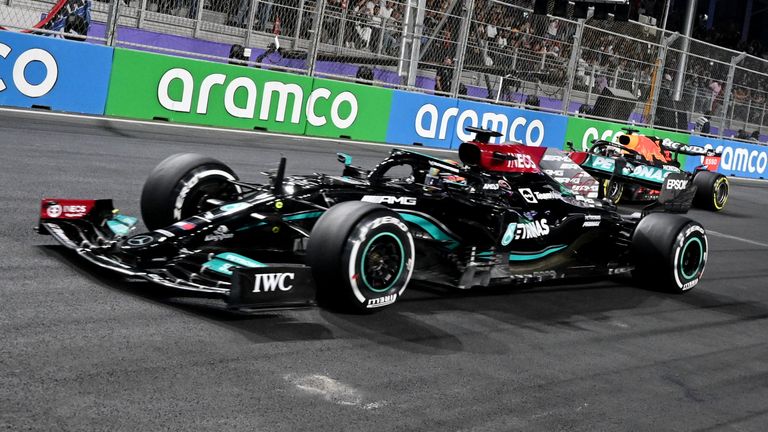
<point>82,352</point>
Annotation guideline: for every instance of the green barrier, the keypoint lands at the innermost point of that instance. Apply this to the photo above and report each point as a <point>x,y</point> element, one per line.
<point>582,131</point>
<point>357,111</point>
<point>151,86</point>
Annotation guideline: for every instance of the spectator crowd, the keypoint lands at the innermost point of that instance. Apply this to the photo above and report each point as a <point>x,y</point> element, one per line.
<point>507,40</point>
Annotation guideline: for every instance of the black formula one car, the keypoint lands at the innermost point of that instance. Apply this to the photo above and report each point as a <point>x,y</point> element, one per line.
<point>357,239</point>
<point>635,169</point>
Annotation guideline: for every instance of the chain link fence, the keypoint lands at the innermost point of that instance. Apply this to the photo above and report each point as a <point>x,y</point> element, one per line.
<point>515,57</point>
<point>487,50</point>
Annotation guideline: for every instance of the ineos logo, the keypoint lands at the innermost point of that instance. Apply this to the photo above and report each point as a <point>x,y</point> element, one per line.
<point>268,282</point>
<point>140,240</point>
<point>20,66</point>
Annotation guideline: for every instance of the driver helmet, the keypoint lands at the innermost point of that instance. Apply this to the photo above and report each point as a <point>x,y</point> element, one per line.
<point>435,177</point>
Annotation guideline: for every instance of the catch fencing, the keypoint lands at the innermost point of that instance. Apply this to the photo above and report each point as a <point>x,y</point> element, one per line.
<point>477,50</point>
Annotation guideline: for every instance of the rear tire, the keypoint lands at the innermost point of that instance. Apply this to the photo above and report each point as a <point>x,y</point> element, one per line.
<point>180,186</point>
<point>711,190</point>
<point>670,252</point>
<point>361,255</point>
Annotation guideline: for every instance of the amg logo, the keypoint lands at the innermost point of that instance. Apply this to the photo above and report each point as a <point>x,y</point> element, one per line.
<point>389,200</point>
<point>677,184</point>
<point>268,282</point>
<point>381,301</point>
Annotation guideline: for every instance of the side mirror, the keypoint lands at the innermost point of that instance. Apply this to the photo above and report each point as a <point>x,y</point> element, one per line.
<point>344,158</point>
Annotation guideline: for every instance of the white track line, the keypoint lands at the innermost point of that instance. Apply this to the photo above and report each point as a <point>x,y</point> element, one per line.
<point>752,242</point>
<point>745,179</point>
<point>216,129</point>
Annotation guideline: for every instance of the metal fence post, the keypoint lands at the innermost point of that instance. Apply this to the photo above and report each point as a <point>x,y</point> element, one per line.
<point>729,89</point>
<point>199,17</point>
<point>380,43</point>
<point>418,28</point>
<point>112,22</point>
<point>251,17</point>
<point>749,109</point>
<point>299,19</point>
<point>403,40</point>
<point>317,27</point>
<point>572,65</point>
<point>463,38</point>
<point>342,30</point>
<point>141,14</point>
<point>591,84</point>
<point>660,76</point>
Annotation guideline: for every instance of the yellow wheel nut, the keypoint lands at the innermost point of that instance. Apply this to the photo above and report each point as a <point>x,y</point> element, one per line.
<point>276,229</point>
<point>279,205</point>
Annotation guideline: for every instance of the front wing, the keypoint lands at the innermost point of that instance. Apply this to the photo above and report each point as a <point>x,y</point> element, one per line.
<point>267,286</point>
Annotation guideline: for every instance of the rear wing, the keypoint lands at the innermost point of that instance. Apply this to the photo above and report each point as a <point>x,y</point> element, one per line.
<point>711,157</point>
<point>688,149</point>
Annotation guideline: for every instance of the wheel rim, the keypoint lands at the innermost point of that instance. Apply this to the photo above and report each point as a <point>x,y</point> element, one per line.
<point>721,194</point>
<point>382,262</point>
<point>197,200</point>
<point>613,191</point>
<point>691,258</point>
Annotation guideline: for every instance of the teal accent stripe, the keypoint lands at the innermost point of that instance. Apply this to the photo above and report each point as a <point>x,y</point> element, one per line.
<point>219,266</point>
<point>646,172</point>
<point>433,230</point>
<point>701,258</point>
<point>293,217</point>
<point>239,260</point>
<point>300,216</point>
<point>536,255</point>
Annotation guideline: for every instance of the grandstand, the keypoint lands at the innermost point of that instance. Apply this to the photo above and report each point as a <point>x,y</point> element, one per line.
<point>486,50</point>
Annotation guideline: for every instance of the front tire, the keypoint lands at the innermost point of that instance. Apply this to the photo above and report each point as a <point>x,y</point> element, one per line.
<point>181,185</point>
<point>670,252</point>
<point>361,255</point>
<point>711,190</point>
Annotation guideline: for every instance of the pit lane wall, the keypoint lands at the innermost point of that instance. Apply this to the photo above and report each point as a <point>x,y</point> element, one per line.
<point>61,75</point>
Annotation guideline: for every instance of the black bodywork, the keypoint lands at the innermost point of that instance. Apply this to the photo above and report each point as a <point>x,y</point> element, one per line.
<point>471,227</point>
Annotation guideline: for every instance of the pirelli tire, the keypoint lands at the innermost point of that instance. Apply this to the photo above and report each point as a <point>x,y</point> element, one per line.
<point>711,190</point>
<point>362,256</point>
<point>670,252</point>
<point>182,185</point>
